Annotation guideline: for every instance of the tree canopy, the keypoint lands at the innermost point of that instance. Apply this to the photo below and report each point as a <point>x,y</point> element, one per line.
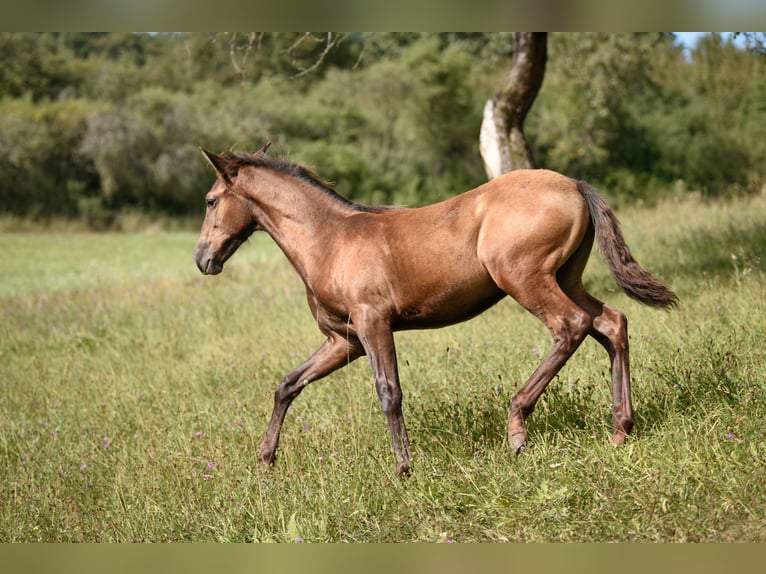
<point>93,124</point>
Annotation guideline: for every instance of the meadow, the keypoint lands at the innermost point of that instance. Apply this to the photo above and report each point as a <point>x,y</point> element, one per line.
<point>134,393</point>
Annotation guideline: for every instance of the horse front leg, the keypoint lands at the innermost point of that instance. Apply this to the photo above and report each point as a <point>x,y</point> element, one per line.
<point>375,334</point>
<point>334,353</point>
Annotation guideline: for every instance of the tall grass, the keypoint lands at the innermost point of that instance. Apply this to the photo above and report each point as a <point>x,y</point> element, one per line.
<point>134,393</point>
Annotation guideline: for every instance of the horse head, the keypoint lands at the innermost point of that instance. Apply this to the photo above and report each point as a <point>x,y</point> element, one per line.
<point>229,219</point>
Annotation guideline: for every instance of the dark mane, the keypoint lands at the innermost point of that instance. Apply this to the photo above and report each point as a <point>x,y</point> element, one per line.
<point>235,161</point>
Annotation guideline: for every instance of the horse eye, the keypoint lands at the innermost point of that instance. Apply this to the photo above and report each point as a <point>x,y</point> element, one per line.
<point>211,202</point>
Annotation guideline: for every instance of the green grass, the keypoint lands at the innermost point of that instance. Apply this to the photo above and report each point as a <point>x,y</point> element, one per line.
<point>134,393</point>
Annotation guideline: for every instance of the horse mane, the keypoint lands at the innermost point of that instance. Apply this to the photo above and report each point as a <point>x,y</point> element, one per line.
<point>235,161</point>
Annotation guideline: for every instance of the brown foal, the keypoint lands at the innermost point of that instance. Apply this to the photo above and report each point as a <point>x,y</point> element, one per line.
<point>370,271</point>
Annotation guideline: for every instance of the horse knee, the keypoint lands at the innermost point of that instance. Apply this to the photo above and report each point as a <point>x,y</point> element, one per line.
<point>390,396</point>
<point>286,392</point>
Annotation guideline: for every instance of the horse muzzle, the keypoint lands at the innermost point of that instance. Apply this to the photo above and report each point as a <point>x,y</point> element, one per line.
<point>207,263</point>
<point>210,261</point>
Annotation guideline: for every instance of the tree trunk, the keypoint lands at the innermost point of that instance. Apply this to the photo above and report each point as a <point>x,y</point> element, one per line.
<point>502,143</point>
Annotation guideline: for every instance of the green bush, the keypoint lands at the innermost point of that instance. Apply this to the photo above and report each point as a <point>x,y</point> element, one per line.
<point>96,125</point>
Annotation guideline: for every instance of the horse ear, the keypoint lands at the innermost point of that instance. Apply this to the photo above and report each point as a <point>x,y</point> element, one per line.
<point>218,163</point>
<point>263,149</point>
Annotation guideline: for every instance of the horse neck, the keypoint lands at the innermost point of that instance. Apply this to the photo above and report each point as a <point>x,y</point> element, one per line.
<point>295,213</point>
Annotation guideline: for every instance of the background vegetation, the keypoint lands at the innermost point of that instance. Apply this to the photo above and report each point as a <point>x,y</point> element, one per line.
<point>97,126</point>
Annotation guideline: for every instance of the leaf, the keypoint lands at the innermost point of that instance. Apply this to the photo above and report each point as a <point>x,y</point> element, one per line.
<point>293,532</point>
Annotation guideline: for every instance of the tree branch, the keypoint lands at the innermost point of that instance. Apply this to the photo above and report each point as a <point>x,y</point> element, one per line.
<point>330,42</point>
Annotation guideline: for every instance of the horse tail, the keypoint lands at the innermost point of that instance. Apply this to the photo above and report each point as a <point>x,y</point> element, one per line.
<point>636,281</point>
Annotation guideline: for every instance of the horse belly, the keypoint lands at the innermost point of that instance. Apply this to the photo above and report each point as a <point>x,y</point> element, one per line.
<point>441,303</point>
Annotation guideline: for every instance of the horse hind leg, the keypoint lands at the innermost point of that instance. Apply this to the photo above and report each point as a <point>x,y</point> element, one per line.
<point>610,329</point>
<point>612,326</point>
<point>568,323</point>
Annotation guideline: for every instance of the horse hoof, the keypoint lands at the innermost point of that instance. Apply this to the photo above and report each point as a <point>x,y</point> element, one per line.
<point>618,438</point>
<point>518,442</point>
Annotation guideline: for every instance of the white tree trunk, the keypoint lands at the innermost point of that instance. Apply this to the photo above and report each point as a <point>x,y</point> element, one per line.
<point>502,144</point>
<point>490,145</point>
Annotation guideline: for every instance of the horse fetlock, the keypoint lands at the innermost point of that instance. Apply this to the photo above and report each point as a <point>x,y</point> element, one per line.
<point>621,432</point>
<point>266,454</point>
<point>622,424</point>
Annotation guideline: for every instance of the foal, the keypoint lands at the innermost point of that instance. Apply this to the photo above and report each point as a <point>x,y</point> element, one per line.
<point>370,271</point>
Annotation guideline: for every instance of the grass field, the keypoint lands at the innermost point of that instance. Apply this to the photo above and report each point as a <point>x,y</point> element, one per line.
<point>134,393</point>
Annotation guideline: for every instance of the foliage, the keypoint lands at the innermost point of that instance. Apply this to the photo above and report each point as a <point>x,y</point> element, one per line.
<point>632,113</point>
<point>96,125</point>
<point>134,393</point>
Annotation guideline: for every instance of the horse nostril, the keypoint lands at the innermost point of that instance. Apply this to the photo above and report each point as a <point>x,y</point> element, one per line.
<point>199,257</point>
<point>201,263</point>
